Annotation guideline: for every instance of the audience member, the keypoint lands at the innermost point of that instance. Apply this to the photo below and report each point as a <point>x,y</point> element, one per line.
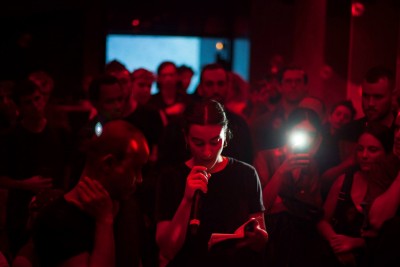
<point>351,194</point>
<point>77,229</point>
<point>34,158</point>
<point>291,193</point>
<point>268,130</point>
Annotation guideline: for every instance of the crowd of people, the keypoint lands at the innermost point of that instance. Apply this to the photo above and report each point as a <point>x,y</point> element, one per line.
<point>132,178</point>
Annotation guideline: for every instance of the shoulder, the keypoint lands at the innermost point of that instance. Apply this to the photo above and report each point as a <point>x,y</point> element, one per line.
<point>238,166</point>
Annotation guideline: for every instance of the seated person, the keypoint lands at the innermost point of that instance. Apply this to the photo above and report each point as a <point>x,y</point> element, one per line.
<point>350,196</point>
<point>78,229</point>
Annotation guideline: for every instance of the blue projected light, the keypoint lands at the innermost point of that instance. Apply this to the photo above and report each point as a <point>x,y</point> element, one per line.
<point>148,51</point>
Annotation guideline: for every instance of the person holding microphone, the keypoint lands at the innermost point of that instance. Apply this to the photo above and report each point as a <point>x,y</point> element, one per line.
<point>209,193</point>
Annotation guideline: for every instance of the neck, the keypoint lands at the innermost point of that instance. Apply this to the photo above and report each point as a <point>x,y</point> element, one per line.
<point>288,107</point>
<point>388,120</point>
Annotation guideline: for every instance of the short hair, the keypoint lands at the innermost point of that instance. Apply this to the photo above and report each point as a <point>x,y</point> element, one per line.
<point>292,67</point>
<point>96,83</point>
<point>114,66</point>
<point>183,68</point>
<point>115,138</point>
<point>303,114</point>
<point>206,112</point>
<point>374,74</point>
<point>142,73</point>
<point>212,66</point>
<point>24,88</point>
<point>346,103</point>
<point>164,64</point>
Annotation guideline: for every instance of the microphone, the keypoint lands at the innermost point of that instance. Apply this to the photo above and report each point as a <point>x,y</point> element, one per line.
<point>194,221</point>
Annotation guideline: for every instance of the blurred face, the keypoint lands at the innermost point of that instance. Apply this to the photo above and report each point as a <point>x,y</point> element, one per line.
<point>125,81</point>
<point>185,78</point>
<point>293,88</point>
<point>369,152</point>
<point>127,173</point>
<point>303,137</point>
<point>376,99</point>
<point>396,145</point>
<point>32,106</point>
<point>339,117</point>
<point>45,85</point>
<point>111,101</point>
<point>141,90</point>
<point>206,143</point>
<point>168,78</point>
<point>214,85</point>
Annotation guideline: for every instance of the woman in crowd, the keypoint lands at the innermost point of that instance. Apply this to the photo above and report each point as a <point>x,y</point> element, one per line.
<point>231,195</point>
<point>352,194</point>
<point>291,194</point>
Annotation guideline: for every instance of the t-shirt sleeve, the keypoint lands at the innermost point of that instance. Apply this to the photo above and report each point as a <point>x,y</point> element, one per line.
<point>254,192</point>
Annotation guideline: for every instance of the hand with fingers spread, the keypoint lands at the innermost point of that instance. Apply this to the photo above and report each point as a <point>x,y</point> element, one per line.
<point>196,180</point>
<point>37,183</point>
<point>95,200</point>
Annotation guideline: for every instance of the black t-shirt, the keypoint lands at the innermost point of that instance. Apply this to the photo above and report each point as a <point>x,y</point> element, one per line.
<point>62,231</point>
<point>233,195</point>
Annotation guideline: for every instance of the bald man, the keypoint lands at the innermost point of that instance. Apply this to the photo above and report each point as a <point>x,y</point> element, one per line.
<point>78,229</point>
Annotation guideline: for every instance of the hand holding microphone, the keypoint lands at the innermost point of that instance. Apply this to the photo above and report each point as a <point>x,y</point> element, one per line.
<point>196,186</point>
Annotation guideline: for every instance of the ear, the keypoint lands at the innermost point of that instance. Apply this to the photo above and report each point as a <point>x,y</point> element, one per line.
<point>107,163</point>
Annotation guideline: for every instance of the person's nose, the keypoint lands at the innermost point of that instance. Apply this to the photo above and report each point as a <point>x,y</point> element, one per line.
<point>371,101</point>
<point>207,151</point>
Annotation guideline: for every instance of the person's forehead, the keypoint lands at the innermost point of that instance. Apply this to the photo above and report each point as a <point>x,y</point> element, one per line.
<point>205,131</point>
<point>342,109</point>
<point>380,87</point>
<point>168,69</point>
<point>217,74</point>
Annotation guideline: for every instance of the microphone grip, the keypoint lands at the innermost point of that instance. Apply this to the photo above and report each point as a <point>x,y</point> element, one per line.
<point>194,221</point>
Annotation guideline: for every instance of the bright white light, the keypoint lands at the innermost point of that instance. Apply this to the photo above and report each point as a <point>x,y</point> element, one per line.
<point>299,140</point>
<point>98,129</point>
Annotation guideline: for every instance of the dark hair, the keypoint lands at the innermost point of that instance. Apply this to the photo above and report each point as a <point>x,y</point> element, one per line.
<point>212,66</point>
<point>303,114</point>
<point>115,138</point>
<point>287,68</point>
<point>382,133</point>
<point>206,112</point>
<point>183,68</point>
<point>23,88</point>
<point>95,86</point>
<point>164,64</point>
<point>375,73</point>
<point>348,104</point>
<point>114,66</point>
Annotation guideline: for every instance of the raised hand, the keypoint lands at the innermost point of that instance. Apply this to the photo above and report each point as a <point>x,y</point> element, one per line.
<point>95,200</point>
<point>196,180</point>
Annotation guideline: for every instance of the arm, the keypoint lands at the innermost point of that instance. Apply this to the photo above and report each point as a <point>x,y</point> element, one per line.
<point>170,235</point>
<point>95,200</point>
<point>271,190</point>
<point>385,206</point>
<point>323,226</point>
<point>331,174</point>
<point>34,183</point>
<point>339,243</point>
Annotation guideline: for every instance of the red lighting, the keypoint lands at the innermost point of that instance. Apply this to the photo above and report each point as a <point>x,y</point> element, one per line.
<point>357,9</point>
<point>135,22</point>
